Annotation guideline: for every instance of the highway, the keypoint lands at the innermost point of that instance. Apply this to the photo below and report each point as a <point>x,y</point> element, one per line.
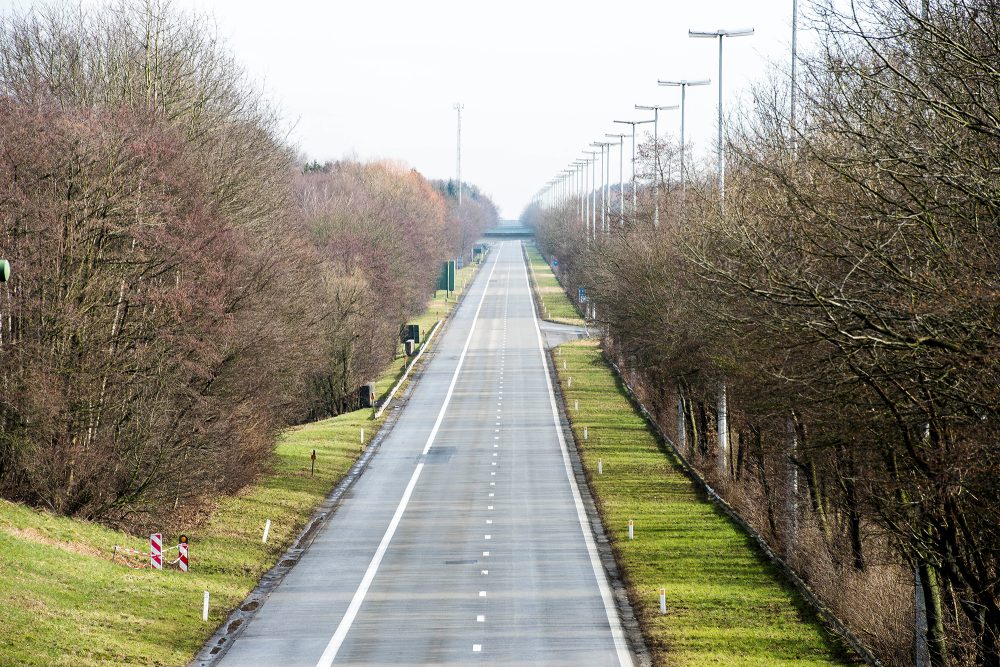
<point>465,541</point>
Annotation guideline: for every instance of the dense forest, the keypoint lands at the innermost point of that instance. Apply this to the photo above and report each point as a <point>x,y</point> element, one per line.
<point>824,341</point>
<point>184,286</point>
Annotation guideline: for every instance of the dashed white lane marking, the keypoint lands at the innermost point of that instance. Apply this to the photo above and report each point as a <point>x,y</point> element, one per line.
<point>482,594</point>
<point>489,507</point>
<point>485,571</point>
<point>492,494</point>
<point>617,633</point>
<point>340,634</point>
<point>486,553</point>
<point>480,618</point>
<point>493,483</point>
<point>477,648</point>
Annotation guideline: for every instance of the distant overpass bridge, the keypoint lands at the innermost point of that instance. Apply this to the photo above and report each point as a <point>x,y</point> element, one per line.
<point>510,229</point>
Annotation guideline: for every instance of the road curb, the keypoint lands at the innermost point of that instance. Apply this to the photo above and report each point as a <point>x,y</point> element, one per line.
<point>630,624</point>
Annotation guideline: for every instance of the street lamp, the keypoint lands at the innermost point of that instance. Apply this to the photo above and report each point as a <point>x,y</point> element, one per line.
<point>593,201</point>
<point>684,83</point>
<point>621,175</point>
<point>719,34</point>
<point>605,171</point>
<point>656,156</point>
<point>633,123</point>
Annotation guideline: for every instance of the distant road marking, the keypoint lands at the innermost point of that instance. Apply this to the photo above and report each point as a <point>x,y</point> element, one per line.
<point>340,634</point>
<point>480,619</point>
<point>476,648</point>
<point>617,633</point>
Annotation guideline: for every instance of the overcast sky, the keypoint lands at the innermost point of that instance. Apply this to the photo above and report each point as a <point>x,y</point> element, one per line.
<point>539,80</point>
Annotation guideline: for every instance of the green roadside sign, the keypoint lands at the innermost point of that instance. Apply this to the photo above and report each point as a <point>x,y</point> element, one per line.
<point>4,270</point>
<point>447,279</point>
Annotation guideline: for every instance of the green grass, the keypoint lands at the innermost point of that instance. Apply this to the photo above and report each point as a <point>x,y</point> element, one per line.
<point>550,291</point>
<point>726,604</point>
<point>63,602</point>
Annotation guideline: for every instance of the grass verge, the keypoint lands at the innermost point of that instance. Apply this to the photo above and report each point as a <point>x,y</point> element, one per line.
<point>554,301</point>
<point>64,602</point>
<point>726,604</point>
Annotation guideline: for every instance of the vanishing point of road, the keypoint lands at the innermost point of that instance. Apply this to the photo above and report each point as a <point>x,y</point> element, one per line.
<point>465,541</point>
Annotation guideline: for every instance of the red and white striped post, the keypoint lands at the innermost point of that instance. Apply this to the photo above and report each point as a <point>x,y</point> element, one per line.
<point>182,557</point>
<point>156,551</point>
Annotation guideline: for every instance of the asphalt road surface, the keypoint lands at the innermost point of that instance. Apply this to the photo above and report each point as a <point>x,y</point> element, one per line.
<point>465,541</point>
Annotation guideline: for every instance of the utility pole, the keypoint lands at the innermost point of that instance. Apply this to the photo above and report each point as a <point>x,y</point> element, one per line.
<point>458,107</point>
<point>656,156</point>
<point>684,83</point>
<point>633,123</point>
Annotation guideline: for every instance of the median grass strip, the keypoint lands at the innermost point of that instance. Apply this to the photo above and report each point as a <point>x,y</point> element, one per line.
<point>550,291</point>
<point>726,604</point>
<point>64,602</point>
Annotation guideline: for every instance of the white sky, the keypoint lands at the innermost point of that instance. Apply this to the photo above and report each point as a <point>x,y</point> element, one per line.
<point>539,80</point>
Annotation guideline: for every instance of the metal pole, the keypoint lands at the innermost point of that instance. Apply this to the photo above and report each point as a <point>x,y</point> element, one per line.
<point>795,19</point>
<point>621,179</point>
<point>720,167</point>
<point>683,101</point>
<point>634,201</point>
<point>458,107</point>
<point>684,83</point>
<point>606,199</point>
<point>656,163</point>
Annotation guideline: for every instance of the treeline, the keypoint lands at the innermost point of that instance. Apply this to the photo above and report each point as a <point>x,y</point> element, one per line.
<point>836,319</point>
<point>183,286</point>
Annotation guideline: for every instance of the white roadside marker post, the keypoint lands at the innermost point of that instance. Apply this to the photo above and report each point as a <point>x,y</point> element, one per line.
<point>600,467</point>
<point>362,437</point>
<point>663,601</point>
<point>631,532</point>
<point>571,381</point>
<point>564,364</point>
<point>267,531</point>
<point>204,608</point>
<point>576,404</point>
<point>585,435</point>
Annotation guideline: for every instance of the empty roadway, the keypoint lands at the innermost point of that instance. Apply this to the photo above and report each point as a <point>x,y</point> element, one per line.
<point>464,541</point>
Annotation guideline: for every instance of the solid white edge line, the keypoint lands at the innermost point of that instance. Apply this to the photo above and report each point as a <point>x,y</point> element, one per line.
<point>617,632</point>
<point>340,634</point>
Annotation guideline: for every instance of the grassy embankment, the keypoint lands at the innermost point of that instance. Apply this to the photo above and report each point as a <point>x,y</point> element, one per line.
<point>64,602</point>
<point>548,290</point>
<point>726,603</point>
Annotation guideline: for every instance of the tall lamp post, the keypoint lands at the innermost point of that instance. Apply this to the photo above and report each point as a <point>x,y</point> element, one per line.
<point>633,123</point>
<point>621,176</point>
<point>605,171</point>
<point>684,83</point>
<point>719,34</point>
<point>656,156</point>
<point>592,229</point>
<point>722,426</point>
